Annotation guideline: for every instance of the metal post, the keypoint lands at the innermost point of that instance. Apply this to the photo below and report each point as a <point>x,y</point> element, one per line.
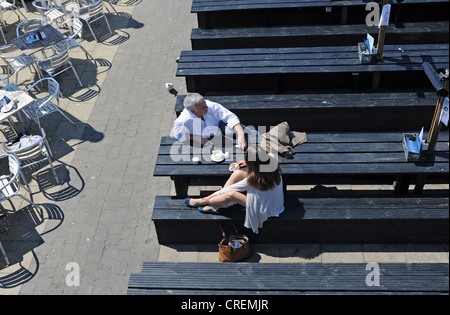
<point>442,92</point>
<point>436,124</point>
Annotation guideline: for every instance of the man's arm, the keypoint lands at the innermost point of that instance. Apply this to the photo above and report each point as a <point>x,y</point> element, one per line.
<point>241,142</point>
<point>232,121</point>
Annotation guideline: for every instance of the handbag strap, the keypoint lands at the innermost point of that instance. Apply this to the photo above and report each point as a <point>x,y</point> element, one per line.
<point>221,226</point>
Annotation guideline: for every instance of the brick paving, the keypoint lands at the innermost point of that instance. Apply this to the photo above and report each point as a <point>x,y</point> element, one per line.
<point>100,218</point>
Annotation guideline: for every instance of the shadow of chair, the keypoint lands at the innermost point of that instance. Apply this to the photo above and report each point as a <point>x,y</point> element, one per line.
<point>8,5</point>
<point>72,183</point>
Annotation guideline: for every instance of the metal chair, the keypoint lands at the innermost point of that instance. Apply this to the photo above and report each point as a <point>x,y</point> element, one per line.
<point>10,183</point>
<point>45,105</point>
<point>34,153</point>
<point>3,84</point>
<point>93,12</point>
<point>49,10</point>
<point>11,5</point>
<point>30,25</point>
<point>24,5</point>
<point>15,63</point>
<point>57,64</point>
<point>75,28</point>
<point>109,1</point>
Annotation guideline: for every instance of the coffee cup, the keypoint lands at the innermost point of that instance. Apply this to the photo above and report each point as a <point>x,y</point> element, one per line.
<point>218,154</point>
<point>233,167</point>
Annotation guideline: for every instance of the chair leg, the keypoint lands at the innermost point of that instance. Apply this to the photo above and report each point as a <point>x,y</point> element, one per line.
<point>17,10</point>
<point>76,74</point>
<point>27,187</point>
<point>54,172</point>
<point>110,4</point>
<point>40,75</point>
<point>27,200</point>
<point>87,53</point>
<point>38,122</point>
<point>3,34</point>
<point>4,254</point>
<point>47,147</point>
<point>95,37</point>
<point>107,23</point>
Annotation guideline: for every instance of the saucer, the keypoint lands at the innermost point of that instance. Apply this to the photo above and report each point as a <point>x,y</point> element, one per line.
<point>217,159</point>
<point>8,107</point>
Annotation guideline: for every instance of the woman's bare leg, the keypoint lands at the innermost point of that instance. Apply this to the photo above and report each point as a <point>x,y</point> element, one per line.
<point>234,178</point>
<point>223,199</point>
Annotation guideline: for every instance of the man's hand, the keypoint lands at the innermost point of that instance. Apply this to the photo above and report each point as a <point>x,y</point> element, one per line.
<point>241,142</point>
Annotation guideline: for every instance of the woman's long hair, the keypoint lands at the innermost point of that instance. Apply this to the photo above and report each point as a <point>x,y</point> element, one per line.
<point>263,172</point>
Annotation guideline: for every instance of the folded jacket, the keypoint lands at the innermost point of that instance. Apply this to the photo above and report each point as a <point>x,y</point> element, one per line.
<point>281,140</point>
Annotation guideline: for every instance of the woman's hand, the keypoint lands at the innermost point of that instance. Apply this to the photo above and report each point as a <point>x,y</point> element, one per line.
<point>241,164</point>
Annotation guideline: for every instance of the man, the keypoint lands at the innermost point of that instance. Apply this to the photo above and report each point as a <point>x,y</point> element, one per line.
<point>206,119</point>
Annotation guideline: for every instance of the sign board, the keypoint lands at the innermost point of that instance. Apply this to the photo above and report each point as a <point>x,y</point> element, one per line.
<point>384,20</point>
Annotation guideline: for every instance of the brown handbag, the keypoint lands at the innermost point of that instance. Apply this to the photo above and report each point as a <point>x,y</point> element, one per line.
<point>234,246</point>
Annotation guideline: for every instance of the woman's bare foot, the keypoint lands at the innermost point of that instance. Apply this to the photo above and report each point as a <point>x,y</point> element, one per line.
<point>197,202</point>
<point>209,209</point>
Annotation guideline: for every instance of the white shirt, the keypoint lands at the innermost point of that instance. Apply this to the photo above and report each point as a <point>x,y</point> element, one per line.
<point>189,124</point>
<point>260,204</point>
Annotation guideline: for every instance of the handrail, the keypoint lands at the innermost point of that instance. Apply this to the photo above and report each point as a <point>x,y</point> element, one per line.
<point>434,78</point>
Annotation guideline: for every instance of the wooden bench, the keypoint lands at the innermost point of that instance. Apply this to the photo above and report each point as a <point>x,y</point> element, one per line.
<point>238,13</point>
<point>304,68</point>
<point>245,278</point>
<point>315,220</point>
<point>316,35</point>
<point>326,158</point>
<point>344,112</point>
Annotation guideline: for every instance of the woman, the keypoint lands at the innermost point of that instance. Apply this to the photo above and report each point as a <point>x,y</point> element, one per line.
<point>264,186</point>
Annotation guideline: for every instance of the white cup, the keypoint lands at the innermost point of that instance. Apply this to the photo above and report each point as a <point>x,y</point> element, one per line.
<point>196,160</point>
<point>234,167</point>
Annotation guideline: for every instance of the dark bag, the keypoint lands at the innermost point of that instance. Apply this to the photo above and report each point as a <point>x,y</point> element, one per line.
<point>234,246</point>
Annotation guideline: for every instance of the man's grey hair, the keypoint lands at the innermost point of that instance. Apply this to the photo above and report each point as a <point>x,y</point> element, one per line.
<point>191,99</point>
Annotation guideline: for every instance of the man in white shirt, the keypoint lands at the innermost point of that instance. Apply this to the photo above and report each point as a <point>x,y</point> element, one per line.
<point>204,118</point>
